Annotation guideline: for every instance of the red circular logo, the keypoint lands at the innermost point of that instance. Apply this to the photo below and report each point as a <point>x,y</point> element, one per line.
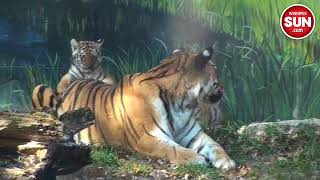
<point>297,21</point>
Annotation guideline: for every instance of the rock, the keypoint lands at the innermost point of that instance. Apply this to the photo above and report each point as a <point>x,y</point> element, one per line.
<point>288,128</point>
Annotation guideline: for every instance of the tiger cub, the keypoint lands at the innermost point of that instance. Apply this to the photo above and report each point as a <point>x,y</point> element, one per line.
<point>85,64</point>
<point>155,113</point>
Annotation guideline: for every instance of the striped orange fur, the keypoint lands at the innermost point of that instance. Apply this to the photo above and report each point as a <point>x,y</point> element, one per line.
<point>155,113</point>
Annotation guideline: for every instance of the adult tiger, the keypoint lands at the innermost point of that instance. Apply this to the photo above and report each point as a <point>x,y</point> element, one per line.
<point>85,64</point>
<point>155,113</point>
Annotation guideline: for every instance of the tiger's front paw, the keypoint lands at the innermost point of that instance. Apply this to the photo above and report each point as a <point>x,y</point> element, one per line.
<point>225,163</point>
<point>222,160</point>
<point>188,157</point>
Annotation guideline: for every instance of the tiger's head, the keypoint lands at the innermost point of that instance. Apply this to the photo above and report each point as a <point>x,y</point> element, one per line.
<point>86,55</point>
<point>192,74</point>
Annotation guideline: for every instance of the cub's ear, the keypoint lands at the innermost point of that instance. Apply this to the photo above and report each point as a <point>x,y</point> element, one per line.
<point>203,58</point>
<point>74,44</point>
<point>100,42</point>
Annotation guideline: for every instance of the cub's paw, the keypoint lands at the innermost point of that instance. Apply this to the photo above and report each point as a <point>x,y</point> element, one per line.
<point>225,163</point>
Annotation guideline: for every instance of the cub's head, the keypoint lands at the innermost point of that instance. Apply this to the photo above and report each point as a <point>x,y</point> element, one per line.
<point>86,54</point>
<point>196,75</point>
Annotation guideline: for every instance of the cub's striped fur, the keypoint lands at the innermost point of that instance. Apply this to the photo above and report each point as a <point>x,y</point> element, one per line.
<point>85,64</point>
<point>155,113</point>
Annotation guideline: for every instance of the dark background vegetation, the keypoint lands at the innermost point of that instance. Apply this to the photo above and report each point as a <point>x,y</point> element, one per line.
<point>267,76</point>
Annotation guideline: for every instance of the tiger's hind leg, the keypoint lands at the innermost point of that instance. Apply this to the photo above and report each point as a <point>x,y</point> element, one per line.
<point>89,136</point>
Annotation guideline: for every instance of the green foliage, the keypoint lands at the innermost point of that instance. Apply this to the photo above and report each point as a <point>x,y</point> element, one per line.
<point>134,167</point>
<point>22,79</point>
<point>105,156</point>
<point>12,96</point>
<point>268,76</point>
<point>135,59</point>
<point>198,170</point>
<point>38,74</point>
<point>276,156</point>
<point>109,156</point>
<point>303,163</point>
<point>267,67</point>
<point>240,147</point>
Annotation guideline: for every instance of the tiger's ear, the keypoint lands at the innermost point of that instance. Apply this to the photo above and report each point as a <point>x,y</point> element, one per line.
<point>207,53</point>
<point>99,42</point>
<point>74,44</point>
<point>203,57</point>
<point>177,50</point>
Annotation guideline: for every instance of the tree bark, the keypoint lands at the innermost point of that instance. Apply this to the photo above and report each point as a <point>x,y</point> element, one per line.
<point>39,146</point>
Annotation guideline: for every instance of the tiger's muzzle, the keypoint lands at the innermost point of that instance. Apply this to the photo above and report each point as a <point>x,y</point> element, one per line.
<point>217,94</point>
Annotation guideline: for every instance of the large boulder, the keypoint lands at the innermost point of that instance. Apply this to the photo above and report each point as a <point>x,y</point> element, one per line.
<point>289,128</point>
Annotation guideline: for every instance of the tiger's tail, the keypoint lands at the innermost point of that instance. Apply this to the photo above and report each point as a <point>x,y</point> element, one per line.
<point>45,98</point>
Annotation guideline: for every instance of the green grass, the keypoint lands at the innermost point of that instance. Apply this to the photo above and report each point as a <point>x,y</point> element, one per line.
<point>135,59</point>
<point>110,157</point>
<point>105,156</point>
<point>135,167</point>
<point>195,170</point>
<point>267,67</point>
<point>39,74</point>
<point>275,156</point>
<point>303,160</point>
<point>21,80</point>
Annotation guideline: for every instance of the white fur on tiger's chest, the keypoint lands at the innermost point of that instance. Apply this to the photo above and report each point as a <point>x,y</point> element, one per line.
<point>195,91</point>
<point>181,118</point>
<point>184,123</point>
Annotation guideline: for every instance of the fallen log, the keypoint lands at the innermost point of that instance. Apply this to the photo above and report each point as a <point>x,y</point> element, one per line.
<point>17,129</point>
<point>40,146</point>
